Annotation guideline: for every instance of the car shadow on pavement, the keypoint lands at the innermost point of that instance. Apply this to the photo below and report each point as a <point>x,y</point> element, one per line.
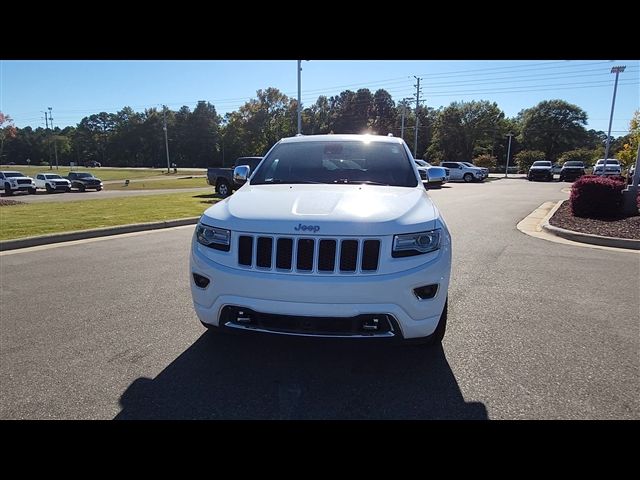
<point>269,377</point>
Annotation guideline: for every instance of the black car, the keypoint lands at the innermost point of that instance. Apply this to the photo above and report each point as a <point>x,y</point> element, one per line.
<point>84,180</point>
<point>541,169</point>
<point>571,170</point>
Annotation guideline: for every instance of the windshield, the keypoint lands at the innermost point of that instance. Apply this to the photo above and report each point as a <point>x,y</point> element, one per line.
<point>52,176</point>
<point>609,162</point>
<point>84,175</point>
<point>541,164</point>
<point>574,164</point>
<point>468,164</point>
<point>339,162</point>
<point>13,174</point>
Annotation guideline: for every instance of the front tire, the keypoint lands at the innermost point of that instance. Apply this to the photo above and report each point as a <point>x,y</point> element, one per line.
<point>223,189</point>
<point>81,187</point>
<point>7,190</point>
<point>98,189</point>
<point>49,189</point>
<point>32,191</point>
<point>467,177</point>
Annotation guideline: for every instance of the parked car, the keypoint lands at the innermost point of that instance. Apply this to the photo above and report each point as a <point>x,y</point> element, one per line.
<point>461,171</point>
<point>331,236</point>
<point>93,163</point>
<point>84,180</point>
<point>432,175</point>
<point>485,171</point>
<point>571,170</point>
<point>541,169</point>
<point>611,168</point>
<point>222,178</point>
<point>11,182</point>
<point>52,182</point>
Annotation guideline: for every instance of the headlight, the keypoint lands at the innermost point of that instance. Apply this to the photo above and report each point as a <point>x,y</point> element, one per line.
<point>410,244</point>
<point>213,237</point>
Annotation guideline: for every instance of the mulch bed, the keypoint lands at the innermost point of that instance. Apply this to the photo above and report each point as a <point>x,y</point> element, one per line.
<point>628,227</point>
<point>5,203</point>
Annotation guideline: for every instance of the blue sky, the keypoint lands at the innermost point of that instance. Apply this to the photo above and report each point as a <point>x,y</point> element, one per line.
<point>79,88</point>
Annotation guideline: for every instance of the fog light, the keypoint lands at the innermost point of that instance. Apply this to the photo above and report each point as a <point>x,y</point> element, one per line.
<point>200,280</point>
<point>425,292</point>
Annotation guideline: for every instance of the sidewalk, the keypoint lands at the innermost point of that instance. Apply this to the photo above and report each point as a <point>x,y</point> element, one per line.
<point>536,224</point>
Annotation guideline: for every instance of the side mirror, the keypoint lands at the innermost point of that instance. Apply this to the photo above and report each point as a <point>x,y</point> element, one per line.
<point>241,174</point>
<point>460,167</point>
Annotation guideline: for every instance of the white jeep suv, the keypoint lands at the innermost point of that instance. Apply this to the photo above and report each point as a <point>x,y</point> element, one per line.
<point>332,236</point>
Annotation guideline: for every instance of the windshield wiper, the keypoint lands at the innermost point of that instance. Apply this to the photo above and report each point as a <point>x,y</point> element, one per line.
<point>358,182</point>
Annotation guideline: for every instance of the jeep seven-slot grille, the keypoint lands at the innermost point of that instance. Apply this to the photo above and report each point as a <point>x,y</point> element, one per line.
<point>309,254</point>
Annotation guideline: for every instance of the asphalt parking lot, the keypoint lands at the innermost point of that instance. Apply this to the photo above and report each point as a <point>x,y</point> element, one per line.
<point>105,329</point>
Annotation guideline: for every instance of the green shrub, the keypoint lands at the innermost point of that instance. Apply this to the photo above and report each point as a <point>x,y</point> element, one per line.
<point>485,160</point>
<point>525,159</point>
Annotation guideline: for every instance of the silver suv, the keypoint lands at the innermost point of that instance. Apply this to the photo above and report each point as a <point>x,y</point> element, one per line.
<point>462,171</point>
<point>611,168</point>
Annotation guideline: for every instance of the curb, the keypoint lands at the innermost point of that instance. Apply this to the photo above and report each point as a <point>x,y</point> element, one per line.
<point>96,232</point>
<point>616,242</point>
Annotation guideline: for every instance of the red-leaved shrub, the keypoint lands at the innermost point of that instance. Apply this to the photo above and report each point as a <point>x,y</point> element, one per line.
<point>596,196</point>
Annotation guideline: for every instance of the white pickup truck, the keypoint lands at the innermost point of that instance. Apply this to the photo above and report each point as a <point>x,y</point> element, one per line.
<point>11,182</point>
<point>52,182</point>
<point>332,236</point>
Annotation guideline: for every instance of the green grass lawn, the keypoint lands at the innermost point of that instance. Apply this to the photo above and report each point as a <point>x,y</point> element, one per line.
<point>26,220</point>
<point>104,173</point>
<point>159,184</point>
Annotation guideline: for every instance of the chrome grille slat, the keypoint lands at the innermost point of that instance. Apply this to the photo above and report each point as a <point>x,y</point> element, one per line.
<point>309,255</point>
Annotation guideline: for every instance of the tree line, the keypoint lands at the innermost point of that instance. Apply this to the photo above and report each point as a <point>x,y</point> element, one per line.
<point>463,131</point>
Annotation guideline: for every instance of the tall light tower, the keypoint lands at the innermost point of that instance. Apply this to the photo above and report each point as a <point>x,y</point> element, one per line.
<point>506,168</point>
<point>617,71</point>
<point>299,98</point>
<point>166,140</point>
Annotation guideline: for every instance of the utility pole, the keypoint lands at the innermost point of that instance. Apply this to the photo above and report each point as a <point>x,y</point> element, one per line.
<point>55,145</point>
<point>506,168</point>
<point>46,123</point>
<point>166,140</point>
<point>415,140</point>
<point>617,71</point>
<point>299,98</point>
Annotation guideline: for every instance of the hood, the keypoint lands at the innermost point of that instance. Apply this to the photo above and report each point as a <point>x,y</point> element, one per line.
<point>324,210</point>
<point>19,178</point>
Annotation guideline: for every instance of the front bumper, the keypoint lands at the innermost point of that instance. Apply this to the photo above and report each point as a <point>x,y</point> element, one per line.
<point>540,174</point>
<point>22,187</point>
<point>325,296</point>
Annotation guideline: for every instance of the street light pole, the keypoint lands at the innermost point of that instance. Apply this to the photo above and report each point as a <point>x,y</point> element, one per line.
<point>166,140</point>
<point>506,168</point>
<point>299,98</point>
<point>617,71</point>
